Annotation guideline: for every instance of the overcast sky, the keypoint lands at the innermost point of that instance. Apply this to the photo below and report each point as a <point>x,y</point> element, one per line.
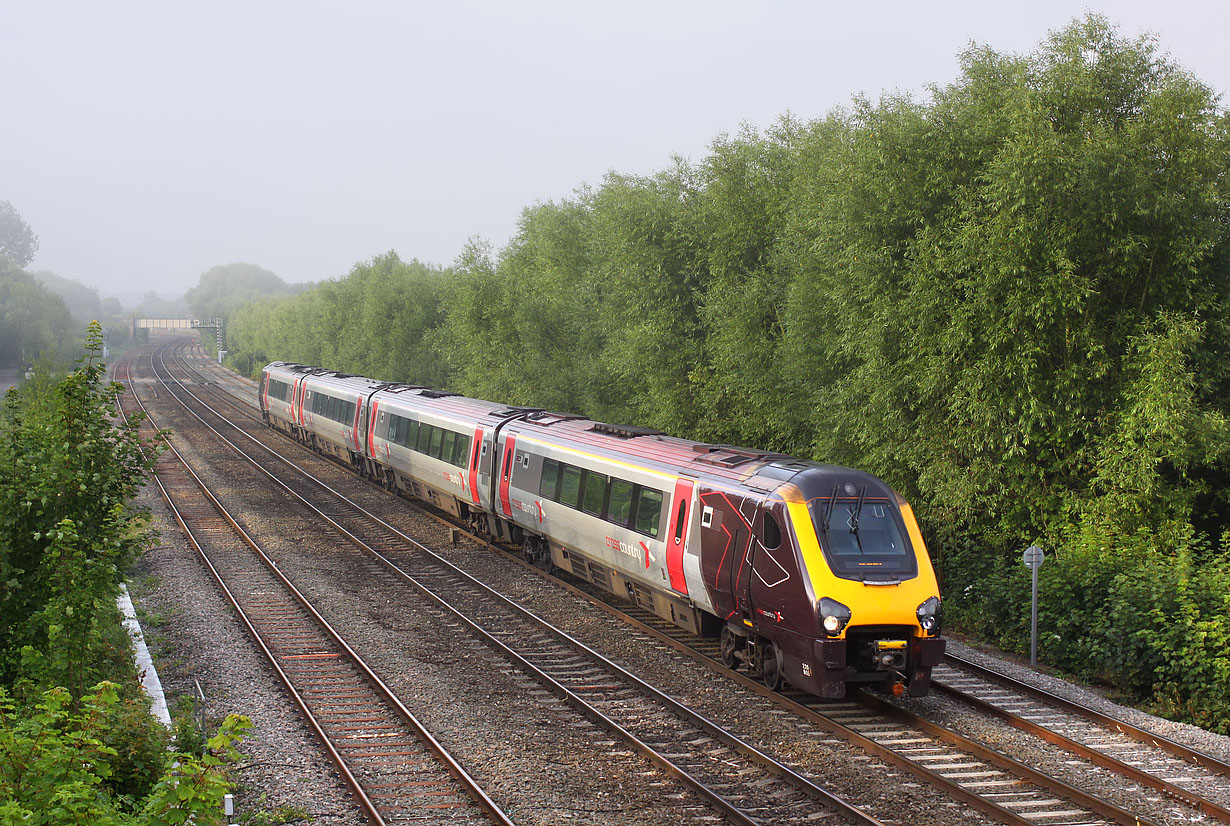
<point>148,142</point>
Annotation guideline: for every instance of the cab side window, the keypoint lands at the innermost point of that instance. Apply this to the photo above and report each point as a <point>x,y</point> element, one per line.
<point>772,532</point>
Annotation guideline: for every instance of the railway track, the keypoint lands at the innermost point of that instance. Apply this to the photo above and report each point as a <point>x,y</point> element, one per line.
<point>395,768</point>
<point>742,783</point>
<point>1153,761</point>
<point>994,783</point>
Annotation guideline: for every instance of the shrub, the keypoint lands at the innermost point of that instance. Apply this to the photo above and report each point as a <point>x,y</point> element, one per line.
<point>56,766</point>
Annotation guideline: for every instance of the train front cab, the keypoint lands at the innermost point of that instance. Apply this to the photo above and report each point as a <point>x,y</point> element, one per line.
<point>874,592</point>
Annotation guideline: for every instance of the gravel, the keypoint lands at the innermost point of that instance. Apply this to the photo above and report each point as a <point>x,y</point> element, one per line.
<point>538,758</point>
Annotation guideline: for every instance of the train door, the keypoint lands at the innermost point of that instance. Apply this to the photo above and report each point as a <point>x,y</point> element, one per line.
<point>722,539</point>
<point>476,448</point>
<point>506,469</point>
<point>296,407</point>
<point>775,585</point>
<point>677,539</point>
<point>740,572</point>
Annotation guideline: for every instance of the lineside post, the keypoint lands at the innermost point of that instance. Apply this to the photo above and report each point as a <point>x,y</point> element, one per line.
<point>1033,557</point>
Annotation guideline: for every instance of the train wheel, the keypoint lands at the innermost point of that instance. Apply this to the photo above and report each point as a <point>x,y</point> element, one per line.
<point>771,666</point>
<point>730,648</point>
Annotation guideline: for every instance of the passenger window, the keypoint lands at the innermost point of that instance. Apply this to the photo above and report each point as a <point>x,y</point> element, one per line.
<point>648,512</point>
<point>461,451</point>
<point>409,432</point>
<point>620,506</point>
<point>772,532</point>
<point>446,449</point>
<point>595,493</point>
<point>437,439</point>
<point>423,440</point>
<point>550,477</point>
<point>570,486</point>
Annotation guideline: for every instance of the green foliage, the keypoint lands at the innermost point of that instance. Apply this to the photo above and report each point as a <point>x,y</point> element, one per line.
<point>374,322</point>
<point>18,243</point>
<point>1008,300</point>
<point>222,290</point>
<point>34,323</point>
<point>81,301</point>
<point>66,532</point>
<point>58,765</point>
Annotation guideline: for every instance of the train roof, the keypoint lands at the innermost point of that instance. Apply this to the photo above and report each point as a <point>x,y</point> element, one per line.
<point>760,469</point>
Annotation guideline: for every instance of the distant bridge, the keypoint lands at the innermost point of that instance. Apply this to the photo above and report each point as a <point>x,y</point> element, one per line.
<point>176,324</point>
<point>215,324</point>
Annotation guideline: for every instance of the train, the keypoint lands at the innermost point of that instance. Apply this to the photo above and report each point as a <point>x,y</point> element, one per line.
<point>808,574</point>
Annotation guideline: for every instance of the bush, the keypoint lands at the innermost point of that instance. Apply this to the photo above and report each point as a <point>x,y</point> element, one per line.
<point>1171,621</point>
<point>57,766</point>
<point>1146,612</point>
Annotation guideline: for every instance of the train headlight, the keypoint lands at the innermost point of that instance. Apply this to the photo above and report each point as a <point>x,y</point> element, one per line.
<point>833,616</point>
<point>930,616</point>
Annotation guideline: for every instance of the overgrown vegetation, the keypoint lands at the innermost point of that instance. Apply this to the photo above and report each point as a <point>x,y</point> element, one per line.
<point>74,747</point>
<point>376,322</point>
<point>1008,300</point>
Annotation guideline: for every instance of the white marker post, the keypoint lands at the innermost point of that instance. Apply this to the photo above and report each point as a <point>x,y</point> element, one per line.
<point>1033,557</point>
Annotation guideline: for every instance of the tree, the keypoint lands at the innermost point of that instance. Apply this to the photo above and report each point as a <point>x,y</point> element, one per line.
<point>67,533</point>
<point>223,289</point>
<point>57,767</point>
<point>81,300</point>
<point>34,323</point>
<point>18,242</point>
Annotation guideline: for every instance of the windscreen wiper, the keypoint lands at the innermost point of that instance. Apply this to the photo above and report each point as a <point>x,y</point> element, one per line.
<point>858,509</point>
<point>828,516</point>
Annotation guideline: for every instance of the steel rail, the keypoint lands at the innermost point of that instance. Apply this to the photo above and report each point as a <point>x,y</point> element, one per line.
<point>450,763</point>
<point>750,752</point>
<point>1089,753</point>
<point>1056,786</point>
<point>1167,745</point>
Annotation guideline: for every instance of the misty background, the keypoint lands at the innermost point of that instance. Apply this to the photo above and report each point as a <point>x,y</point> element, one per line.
<point>147,143</point>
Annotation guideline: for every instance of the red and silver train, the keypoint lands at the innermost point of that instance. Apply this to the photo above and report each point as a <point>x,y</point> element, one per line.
<point>811,573</point>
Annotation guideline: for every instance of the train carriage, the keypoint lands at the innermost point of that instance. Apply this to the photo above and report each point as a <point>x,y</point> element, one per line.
<point>810,573</point>
<point>429,444</point>
<point>278,386</point>
<point>332,412</point>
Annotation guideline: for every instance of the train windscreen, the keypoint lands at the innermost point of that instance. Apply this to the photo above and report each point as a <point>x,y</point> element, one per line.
<point>863,539</point>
